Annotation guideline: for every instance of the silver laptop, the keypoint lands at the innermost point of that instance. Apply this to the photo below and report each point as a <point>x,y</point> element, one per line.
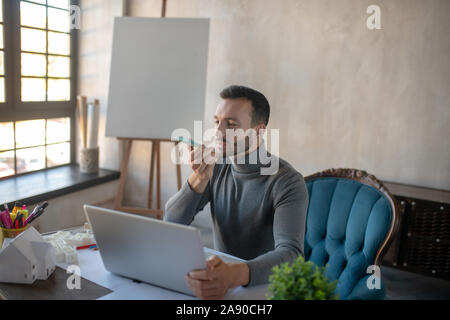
<point>149,250</point>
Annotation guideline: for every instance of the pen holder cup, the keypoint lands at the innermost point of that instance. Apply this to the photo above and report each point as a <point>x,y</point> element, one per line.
<point>89,160</point>
<point>12,233</point>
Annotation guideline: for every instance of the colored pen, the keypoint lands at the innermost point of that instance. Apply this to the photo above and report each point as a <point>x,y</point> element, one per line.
<point>36,210</point>
<point>24,211</point>
<point>6,219</point>
<point>89,246</point>
<point>38,207</point>
<point>18,222</point>
<point>35,216</point>
<point>17,206</point>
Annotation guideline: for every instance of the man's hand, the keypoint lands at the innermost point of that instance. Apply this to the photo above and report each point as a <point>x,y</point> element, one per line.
<point>202,164</point>
<point>213,282</point>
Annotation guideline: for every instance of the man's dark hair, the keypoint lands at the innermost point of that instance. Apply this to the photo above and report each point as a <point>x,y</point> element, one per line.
<point>261,108</point>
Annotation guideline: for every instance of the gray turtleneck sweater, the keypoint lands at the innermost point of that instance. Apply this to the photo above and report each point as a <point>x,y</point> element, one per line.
<point>256,217</point>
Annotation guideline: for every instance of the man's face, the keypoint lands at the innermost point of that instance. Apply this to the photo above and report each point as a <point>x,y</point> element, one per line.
<point>234,116</point>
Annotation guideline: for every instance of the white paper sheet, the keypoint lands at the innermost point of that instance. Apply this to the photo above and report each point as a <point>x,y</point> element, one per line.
<point>92,269</point>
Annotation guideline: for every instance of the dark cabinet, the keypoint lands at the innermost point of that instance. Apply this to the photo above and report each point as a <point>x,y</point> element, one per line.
<point>422,244</point>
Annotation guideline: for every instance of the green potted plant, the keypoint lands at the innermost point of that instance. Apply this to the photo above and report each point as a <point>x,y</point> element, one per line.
<point>303,280</point>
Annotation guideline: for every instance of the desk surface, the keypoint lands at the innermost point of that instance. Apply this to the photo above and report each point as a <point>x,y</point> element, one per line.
<point>114,287</point>
<point>54,288</point>
<point>92,269</point>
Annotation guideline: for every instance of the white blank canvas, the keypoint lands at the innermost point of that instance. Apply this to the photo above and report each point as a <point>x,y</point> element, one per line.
<point>158,76</point>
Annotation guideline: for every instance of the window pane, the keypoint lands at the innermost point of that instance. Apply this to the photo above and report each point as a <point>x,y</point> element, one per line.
<point>58,154</point>
<point>58,20</point>
<point>33,89</point>
<point>2,63</point>
<point>58,130</point>
<point>7,135</point>
<point>33,40</point>
<point>34,64</point>
<point>6,163</point>
<point>58,90</point>
<point>2,89</point>
<point>58,43</point>
<point>30,133</point>
<point>1,36</point>
<point>59,3</point>
<point>32,15</point>
<point>58,67</point>
<point>30,159</point>
<point>1,10</point>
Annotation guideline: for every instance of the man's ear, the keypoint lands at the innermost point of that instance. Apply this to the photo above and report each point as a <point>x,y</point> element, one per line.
<point>260,129</point>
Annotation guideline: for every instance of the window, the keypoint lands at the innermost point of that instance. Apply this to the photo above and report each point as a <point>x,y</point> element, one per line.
<point>33,145</point>
<point>45,50</point>
<point>2,57</point>
<point>37,72</point>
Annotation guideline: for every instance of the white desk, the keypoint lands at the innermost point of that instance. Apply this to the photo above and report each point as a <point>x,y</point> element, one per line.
<point>92,269</point>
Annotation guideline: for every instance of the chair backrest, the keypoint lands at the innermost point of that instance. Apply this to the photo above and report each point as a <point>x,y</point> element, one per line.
<point>350,224</point>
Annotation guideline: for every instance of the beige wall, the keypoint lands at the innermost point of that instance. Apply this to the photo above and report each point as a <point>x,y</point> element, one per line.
<point>95,43</point>
<point>67,211</point>
<point>341,95</point>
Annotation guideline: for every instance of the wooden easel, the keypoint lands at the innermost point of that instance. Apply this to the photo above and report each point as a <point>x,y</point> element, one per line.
<point>155,157</point>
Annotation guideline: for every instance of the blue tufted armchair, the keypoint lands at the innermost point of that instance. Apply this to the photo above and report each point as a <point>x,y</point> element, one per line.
<point>350,224</point>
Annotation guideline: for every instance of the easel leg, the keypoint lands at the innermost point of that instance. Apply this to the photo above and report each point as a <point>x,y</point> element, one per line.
<point>150,182</point>
<point>123,174</point>
<point>155,157</point>
<point>158,177</point>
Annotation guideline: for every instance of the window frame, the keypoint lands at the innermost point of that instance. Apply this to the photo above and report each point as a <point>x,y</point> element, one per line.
<point>13,109</point>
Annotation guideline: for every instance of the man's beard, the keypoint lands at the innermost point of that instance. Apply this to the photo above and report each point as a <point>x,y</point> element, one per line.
<point>237,149</point>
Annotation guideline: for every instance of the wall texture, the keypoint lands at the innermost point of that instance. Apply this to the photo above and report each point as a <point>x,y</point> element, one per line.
<point>342,95</point>
<point>95,43</point>
<point>67,211</point>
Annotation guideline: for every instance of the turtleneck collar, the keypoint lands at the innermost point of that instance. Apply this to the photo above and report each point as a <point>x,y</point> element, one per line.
<point>251,162</point>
